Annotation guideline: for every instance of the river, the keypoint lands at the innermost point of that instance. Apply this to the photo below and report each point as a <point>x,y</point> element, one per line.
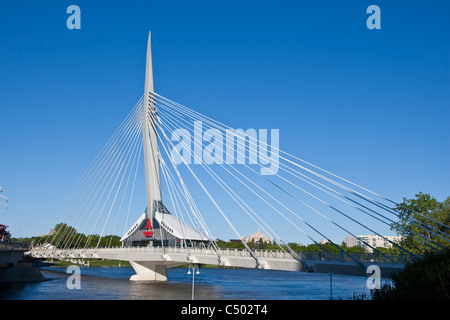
<point>112,283</point>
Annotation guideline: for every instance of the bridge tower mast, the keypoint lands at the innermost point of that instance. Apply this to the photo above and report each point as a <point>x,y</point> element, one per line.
<point>150,139</point>
<point>149,270</point>
<point>173,229</point>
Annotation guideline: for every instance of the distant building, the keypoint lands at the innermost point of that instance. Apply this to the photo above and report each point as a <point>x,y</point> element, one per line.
<point>372,240</point>
<point>350,241</point>
<point>52,232</point>
<point>258,236</point>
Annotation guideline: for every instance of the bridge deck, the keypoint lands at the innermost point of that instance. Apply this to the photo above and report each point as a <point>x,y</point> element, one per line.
<point>267,259</point>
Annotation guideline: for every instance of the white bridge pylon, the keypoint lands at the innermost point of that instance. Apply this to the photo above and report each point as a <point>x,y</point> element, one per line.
<point>299,199</point>
<point>156,225</point>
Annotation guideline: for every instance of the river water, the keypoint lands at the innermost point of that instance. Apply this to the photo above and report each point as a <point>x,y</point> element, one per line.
<point>112,283</point>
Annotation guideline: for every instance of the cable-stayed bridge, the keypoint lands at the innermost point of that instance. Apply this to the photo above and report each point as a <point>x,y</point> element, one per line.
<point>238,179</point>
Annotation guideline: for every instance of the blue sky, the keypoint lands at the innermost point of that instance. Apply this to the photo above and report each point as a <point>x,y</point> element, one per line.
<point>369,105</point>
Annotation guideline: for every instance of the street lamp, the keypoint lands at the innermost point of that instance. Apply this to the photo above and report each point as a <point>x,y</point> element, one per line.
<point>193,267</point>
<point>331,282</point>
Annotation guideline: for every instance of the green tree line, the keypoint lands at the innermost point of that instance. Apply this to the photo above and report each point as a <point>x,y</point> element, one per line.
<point>422,220</point>
<point>65,236</point>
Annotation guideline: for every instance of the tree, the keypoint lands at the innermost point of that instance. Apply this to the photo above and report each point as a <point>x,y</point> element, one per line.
<point>61,232</point>
<point>425,279</point>
<point>422,220</point>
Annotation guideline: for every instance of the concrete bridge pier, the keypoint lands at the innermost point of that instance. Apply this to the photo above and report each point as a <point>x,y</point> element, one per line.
<point>148,271</point>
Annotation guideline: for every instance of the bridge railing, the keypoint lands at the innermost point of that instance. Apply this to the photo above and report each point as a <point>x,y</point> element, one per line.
<point>278,254</point>
<point>365,257</point>
<point>388,258</point>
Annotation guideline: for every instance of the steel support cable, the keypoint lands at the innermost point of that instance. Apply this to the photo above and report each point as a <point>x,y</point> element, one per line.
<point>134,136</point>
<point>87,172</point>
<point>171,190</point>
<point>113,147</point>
<point>132,193</point>
<point>80,186</point>
<point>308,224</point>
<point>212,200</point>
<point>173,103</point>
<point>393,223</point>
<point>94,177</point>
<point>100,178</point>
<point>103,185</point>
<point>250,180</point>
<point>259,218</point>
<point>93,202</point>
<point>344,229</point>
<point>192,205</point>
<point>319,212</point>
<point>222,184</point>
<point>290,221</point>
<point>190,202</point>
<point>135,162</point>
<point>339,211</point>
<point>217,126</point>
<point>205,169</point>
<point>315,181</point>
<point>121,145</point>
<point>175,204</point>
<point>425,226</point>
<point>124,155</point>
<point>363,196</point>
<point>133,147</point>
<point>200,222</point>
<point>198,216</point>
<point>324,217</point>
<point>293,213</point>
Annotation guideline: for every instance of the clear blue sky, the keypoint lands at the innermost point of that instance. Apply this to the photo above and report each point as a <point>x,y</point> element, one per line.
<point>369,105</point>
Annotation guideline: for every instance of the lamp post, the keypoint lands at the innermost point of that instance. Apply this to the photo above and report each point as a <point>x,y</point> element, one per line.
<point>193,267</point>
<point>331,282</point>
